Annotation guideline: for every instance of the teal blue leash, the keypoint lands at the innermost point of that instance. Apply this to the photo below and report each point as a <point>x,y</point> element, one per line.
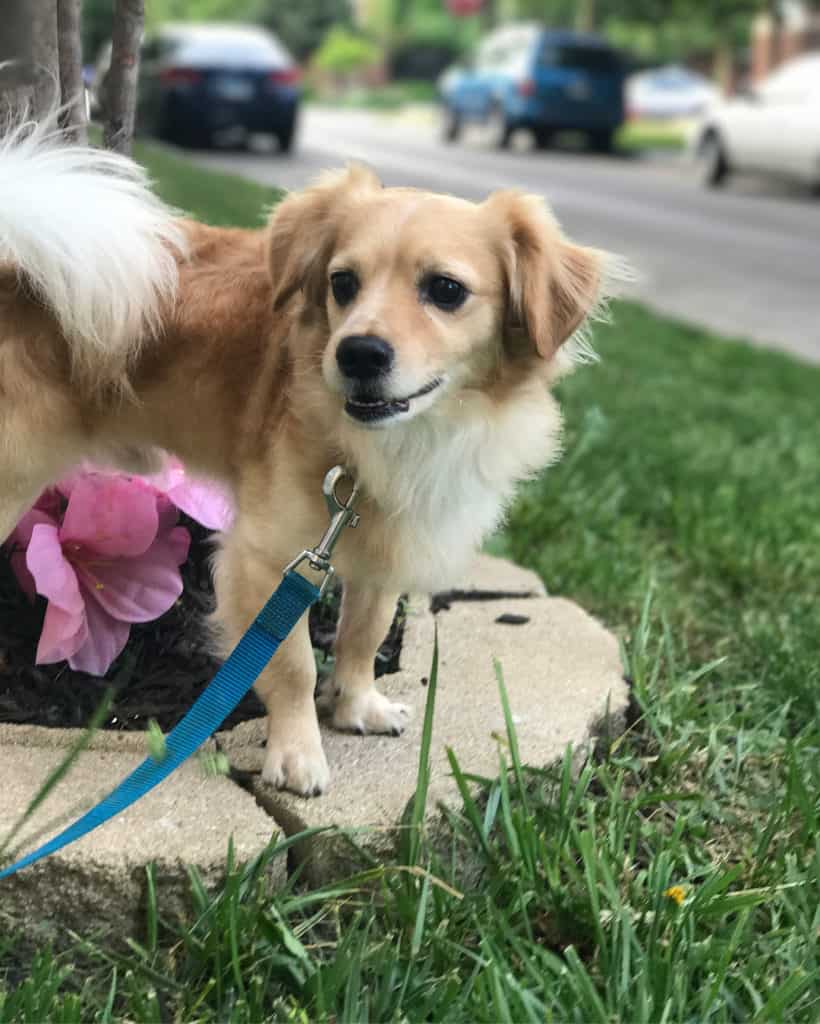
<point>284,608</point>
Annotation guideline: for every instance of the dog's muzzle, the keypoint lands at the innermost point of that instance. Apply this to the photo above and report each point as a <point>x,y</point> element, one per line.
<point>364,357</point>
<point>369,409</point>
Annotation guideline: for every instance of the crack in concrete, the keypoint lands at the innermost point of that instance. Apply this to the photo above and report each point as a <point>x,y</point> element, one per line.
<point>441,601</point>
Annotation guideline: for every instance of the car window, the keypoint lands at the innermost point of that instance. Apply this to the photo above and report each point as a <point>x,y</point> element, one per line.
<point>505,50</point>
<point>585,58</point>
<point>157,47</point>
<point>230,48</point>
<point>149,50</point>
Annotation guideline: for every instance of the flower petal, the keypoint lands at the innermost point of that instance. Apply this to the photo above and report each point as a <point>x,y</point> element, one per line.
<point>206,502</point>
<point>139,589</point>
<point>111,515</point>
<point>171,475</point>
<point>54,576</point>
<point>63,633</point>
<point>19,541</point>
<point>167,514</point>
<point>105,639</point>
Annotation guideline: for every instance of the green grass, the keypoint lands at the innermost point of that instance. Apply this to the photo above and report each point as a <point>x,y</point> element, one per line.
<point>390,96</point>
<point>640,135</point>
<point>676,879</point>
<point>221,199</point>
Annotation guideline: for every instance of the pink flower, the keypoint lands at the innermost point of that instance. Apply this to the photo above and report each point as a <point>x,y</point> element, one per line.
<point>47,509</point>
<point>112,562</point>
<point>204,500</point>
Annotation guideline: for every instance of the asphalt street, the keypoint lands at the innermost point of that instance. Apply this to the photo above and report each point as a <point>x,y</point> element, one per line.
<point>744,261</point>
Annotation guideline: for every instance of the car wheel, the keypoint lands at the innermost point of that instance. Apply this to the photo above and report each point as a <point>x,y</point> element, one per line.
<point>169,128</point>
<point>543,138</point>
<point>195,138</point>
<point>713,166</point>
<point>285,138</point>
<point>498,127</point>
<point>602,141</point>
<point>450,124</point>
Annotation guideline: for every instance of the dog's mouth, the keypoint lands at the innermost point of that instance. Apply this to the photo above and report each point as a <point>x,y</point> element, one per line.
<point>368,409</point>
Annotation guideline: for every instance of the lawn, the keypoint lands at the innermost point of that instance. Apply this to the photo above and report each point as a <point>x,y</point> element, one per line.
<point>643,135</point>
<point>676,879</point>
<point>390,96</point>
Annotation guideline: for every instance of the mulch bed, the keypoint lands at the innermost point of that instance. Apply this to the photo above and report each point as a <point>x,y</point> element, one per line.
<point>163,669</point>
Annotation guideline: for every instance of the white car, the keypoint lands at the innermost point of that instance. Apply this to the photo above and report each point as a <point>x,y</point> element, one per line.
<point>772,128</point>
<point>668,92</point>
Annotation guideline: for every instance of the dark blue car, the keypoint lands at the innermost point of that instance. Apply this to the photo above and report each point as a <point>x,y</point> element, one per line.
<point>202,84</point>
<point>544,80</point>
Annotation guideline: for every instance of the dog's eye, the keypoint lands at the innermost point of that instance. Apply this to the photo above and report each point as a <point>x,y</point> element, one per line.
<point>344,285</point>
<point>444,292</point>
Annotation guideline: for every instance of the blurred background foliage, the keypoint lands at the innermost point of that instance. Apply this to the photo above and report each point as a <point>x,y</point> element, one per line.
<point>415,38</point>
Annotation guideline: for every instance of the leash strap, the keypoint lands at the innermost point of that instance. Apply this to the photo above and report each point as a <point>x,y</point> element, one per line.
<point>285,607</point>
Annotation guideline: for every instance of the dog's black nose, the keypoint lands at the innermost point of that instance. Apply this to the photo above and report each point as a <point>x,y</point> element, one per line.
<point>364,356</point>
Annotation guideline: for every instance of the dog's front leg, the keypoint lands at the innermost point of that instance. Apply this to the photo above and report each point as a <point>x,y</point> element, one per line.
<point>359,707</point>
<point>294,758</point>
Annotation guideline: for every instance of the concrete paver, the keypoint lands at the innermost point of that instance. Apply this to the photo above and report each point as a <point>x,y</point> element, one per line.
<point>98,884</point>
<point>563,675</point>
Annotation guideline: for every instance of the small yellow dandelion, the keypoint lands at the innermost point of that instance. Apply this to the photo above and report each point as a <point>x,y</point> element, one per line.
<point>676,893</point>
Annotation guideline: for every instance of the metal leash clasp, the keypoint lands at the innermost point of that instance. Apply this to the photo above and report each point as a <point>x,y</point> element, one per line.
<point>342,514</point>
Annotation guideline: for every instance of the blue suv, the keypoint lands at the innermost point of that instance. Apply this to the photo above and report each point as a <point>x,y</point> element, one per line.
<point>546,80</point>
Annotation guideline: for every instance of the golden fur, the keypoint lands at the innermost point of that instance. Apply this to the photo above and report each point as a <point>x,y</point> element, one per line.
<point>242,383</point>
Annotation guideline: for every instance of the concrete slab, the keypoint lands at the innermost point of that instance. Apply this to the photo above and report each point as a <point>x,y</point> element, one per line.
<point>490,574</point>
<point>563,675</point>
<point>97,885</point>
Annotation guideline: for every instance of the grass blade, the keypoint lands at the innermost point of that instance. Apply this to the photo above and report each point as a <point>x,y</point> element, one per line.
<point>56,776</point>
<point>413,844</point>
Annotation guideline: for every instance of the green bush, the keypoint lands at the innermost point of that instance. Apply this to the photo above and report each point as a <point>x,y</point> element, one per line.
<point>343,52</point>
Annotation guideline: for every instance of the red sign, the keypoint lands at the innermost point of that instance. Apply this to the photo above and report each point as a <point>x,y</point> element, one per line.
<point>463,8</point>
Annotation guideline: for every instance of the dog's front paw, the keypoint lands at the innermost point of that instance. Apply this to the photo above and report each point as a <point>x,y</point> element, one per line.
<point>301,769</point>
<point>370,711</point>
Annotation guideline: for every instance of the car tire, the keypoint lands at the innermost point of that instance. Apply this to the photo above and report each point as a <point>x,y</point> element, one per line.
<point>498,127</point>
<point>169,128</point>
<point>713,165</point>
<point>451,124</point>
<point>543,137</point>
<point>196,138</point>
<point>602,141</point>
<point>286,137</point>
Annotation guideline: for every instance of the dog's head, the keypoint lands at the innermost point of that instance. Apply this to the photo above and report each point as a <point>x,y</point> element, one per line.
<point>422,295</point>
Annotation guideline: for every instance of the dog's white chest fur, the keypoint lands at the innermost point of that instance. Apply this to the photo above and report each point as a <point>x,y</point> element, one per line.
<point>443,481</point>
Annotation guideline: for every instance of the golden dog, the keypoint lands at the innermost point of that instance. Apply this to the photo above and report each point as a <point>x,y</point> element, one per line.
<point>410,336</point>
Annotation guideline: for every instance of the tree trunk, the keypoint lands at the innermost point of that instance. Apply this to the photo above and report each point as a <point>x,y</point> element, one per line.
<point>121,84</point>
<point>585,16</point>
<point>45,57</point>
<point>723,62</point>
<point>73,118</point>
<point>29,41</point>
<point>775,12</point>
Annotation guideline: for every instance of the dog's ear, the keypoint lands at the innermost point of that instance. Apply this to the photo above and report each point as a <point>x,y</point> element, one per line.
<point>553,285</point>
<point>303,233</point>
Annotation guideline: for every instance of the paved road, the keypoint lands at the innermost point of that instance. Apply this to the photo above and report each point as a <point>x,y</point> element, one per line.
<point>744,261</point>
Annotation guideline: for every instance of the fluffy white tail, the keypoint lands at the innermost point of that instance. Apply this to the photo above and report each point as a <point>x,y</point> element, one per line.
<point>95,244</point>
